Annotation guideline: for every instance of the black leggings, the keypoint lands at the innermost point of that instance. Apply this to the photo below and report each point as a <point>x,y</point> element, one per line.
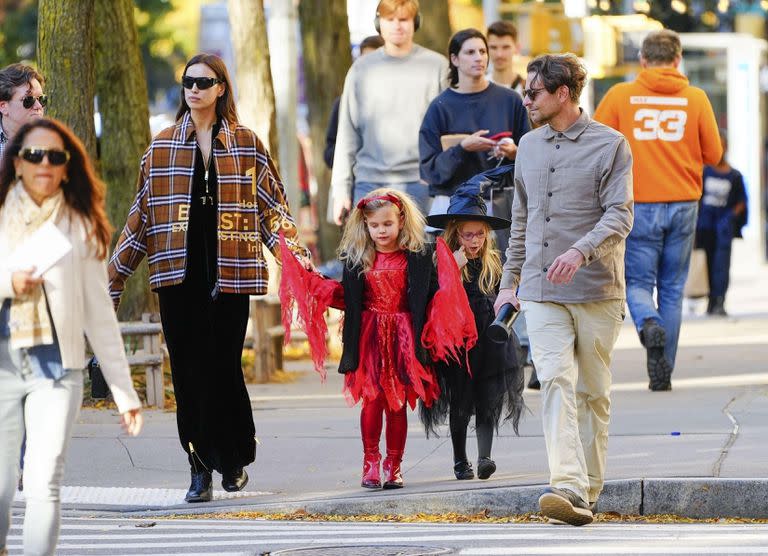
<point>459,423</point>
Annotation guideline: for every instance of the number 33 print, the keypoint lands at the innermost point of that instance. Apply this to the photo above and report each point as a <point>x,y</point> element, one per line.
<point>667,125</point>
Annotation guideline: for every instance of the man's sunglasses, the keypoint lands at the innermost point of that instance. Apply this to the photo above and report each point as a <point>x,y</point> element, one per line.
<point>533,93</point>
<point>201,82</point>
<point>35,155</point>
<point>29,101</point>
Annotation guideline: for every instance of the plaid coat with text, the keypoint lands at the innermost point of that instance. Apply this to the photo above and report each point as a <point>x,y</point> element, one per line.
<point>252,210</point>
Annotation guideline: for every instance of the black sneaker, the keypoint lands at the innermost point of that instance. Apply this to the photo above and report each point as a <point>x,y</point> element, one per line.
<point>566,506</point>
<point>485,468</point>
<point>654,338</point>
<point>463,471</point>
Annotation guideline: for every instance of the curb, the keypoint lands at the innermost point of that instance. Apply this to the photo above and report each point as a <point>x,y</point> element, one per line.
<point>698,498</point>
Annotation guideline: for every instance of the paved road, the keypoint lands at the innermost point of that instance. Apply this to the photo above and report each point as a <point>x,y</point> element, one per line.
<point>310,439</point>
<point>109,537</point>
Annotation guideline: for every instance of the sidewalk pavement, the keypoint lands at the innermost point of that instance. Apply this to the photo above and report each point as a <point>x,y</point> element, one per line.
<point>697,451</point>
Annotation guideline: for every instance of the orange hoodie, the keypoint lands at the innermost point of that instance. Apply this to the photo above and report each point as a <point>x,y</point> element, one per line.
<point>671,130</point>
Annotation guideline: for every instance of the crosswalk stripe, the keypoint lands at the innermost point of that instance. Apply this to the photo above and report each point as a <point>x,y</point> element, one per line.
<point>612,549</point>
<point>399,539</point>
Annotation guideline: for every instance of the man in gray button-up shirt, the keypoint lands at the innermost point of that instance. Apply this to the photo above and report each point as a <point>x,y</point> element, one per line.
<point>571,214</point>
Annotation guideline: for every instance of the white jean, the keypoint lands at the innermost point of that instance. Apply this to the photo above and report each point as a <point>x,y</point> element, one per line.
<point>572,346</point>
<point>46,410</point>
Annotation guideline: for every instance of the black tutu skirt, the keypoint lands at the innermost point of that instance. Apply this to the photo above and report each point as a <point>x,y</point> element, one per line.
<point>493,392</point>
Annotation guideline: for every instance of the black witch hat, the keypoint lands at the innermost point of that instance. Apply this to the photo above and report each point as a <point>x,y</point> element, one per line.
<point>467,204</point>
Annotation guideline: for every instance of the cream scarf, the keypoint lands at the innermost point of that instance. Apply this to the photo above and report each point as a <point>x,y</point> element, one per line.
<point>30,323</point>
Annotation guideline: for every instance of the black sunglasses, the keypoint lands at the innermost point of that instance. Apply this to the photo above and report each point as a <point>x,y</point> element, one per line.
<point>201,82</point>
<point>29,101</point>
<point>533,93</point>
<point>35,155</point>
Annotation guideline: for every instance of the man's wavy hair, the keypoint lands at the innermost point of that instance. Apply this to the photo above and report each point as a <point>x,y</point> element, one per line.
<point>555,70</point>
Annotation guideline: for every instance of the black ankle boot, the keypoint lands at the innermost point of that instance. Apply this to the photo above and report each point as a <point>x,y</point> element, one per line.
<point>234,480</point>
<point>200,488</point>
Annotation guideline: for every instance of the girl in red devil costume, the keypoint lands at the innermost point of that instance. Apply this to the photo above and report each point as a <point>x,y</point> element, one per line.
<point>401,314</point>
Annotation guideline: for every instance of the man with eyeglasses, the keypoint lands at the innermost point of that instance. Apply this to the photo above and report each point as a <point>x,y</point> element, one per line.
<point>571,214</point>
<point>21,99</point>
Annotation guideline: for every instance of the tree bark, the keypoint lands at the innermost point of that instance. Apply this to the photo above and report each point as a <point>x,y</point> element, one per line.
<point>65,41</point>
<point>435,31</point>
<point>256,97</point>
<point>121,87</point>
<point>327,57</point>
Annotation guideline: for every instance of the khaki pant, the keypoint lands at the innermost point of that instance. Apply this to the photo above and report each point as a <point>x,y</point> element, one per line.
<point>571,346</point>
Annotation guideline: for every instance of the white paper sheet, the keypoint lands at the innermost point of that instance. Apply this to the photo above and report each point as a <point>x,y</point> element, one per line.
<point>41,250</point>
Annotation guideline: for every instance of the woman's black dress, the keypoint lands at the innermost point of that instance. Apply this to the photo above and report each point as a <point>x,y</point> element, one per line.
<point>205,331</point>
<point>495,387</point>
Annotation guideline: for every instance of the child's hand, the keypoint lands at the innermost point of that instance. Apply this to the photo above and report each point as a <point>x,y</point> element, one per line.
<point>460,256</point>
<point>307,264</point>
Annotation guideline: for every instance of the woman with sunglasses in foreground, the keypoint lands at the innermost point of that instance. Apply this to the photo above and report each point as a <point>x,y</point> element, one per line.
<point>208,196</point>
<point>46,180</point>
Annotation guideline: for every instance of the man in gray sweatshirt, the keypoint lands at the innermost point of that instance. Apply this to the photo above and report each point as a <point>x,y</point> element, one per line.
<point>385,97</point>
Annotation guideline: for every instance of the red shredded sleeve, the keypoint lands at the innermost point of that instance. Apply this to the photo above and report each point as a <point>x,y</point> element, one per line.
<point>450,327</point>
<point>311,294</point>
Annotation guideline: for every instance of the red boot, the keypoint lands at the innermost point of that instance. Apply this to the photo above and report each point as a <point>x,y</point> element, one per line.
<point>371,476</point>
<point>393,477</point>
<point>370,427</point>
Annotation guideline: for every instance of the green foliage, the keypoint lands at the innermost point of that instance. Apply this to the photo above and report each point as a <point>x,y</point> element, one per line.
<point>161,50</point>
<point>18,31</point>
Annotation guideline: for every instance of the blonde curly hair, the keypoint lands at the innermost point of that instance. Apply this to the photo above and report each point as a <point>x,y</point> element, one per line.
<point>357,248</point>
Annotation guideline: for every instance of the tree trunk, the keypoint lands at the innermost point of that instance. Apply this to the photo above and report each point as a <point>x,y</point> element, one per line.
<point>121,87</point>
<point>435,31</point>
<point>256,97</point>
<point>65,41</point>
<point>327,57</point>
<point>283,21</point>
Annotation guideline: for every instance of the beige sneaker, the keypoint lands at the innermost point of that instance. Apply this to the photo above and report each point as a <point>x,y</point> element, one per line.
<point>565,506</point>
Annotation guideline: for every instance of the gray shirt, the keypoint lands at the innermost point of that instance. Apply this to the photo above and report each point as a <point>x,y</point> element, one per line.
<point>572,189</point>
<point>384,100</point>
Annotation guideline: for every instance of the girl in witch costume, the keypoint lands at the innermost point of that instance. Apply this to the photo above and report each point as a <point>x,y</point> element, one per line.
<point>401,314</point>
<point>495,385</point>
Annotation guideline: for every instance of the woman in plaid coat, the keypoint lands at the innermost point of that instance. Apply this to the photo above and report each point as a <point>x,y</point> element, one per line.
<point>208,197</point>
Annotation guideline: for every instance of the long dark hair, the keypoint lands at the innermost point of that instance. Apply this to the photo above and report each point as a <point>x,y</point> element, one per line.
<point>454,47</point>
<point>225,104</point>
<point>83,192</point>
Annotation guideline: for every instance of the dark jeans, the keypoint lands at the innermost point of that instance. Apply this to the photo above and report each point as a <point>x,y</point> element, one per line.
<point>717,246</point>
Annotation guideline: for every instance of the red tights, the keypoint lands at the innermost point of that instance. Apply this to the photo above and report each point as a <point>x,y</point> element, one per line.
<point>371,425</point>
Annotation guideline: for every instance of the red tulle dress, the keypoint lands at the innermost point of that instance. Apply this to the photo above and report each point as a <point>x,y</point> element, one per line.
<point>388,364</point>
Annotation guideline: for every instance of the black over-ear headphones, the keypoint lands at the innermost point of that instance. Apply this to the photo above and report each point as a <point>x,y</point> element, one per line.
<point>377,25</point>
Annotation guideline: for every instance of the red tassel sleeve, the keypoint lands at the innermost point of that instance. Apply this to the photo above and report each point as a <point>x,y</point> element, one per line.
<point>311,294</point>
<point>450,328</point>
